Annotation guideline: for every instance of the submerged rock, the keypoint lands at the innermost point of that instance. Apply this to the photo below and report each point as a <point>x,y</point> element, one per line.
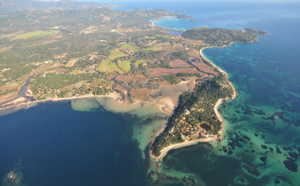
<point>263,159</point>
<point>15,177</point>
<point>264,146</point>
<point>241,180</point>
<point>251,170</point>
<point>290,165</point>
<point>157,178</point>
<point>230,152</point>
<point>278,150</point>
<point>276,181</point>
<point>246,138</point>
<point>293,155</point>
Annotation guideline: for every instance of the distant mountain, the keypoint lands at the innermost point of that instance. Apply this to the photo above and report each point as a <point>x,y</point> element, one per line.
<point>10,6</point>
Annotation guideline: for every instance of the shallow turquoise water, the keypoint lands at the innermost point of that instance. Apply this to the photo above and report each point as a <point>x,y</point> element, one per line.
<point>265,115</point>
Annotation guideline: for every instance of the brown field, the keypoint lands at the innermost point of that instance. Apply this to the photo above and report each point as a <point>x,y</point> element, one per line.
<point>72,62</point>
<point>205,68</point>
<point>193,42</point>
<point>165,71</point>
<point>60,56</point>
<point>8,96</point>
<point>141,94</point>
<point>131,78</point>
<point>179,64</point>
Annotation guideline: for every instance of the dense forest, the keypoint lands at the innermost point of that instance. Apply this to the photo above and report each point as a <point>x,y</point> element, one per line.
<point>220,37</point>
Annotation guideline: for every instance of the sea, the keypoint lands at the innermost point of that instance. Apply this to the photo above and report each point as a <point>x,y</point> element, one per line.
<point>102,142</point>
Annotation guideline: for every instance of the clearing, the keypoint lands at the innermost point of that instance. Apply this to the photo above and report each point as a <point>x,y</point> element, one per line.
<point>36,34</point>
<point>125,65</point>
<point>115,54</point>
<point>166,71</point>
<point>129,46</point>
<point>108,67</point>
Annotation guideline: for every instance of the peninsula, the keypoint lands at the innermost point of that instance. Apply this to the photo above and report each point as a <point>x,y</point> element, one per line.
<point>69,53</point>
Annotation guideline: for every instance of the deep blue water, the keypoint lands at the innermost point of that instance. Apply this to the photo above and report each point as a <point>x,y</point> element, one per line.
<point>61,146</point>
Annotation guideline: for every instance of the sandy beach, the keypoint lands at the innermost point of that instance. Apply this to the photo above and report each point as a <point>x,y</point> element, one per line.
<point>220,101</point>
<point>21,102</point>
<point>165,150</point>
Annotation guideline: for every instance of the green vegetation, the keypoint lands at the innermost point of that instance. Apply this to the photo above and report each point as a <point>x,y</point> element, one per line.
<point>148,55</point>
<point>220,37</point>
<point>116,54</point>
<point>108,67</point>
<point>172,78</point>
<point>18,72</point>
<point>194,109</point>
<point>183,55</point>
<point>189,75</point>
<point>67,85</point>
<point>138,62</point>
<point>129,46</point>
<point>37,33</point>
<point>125,65</point>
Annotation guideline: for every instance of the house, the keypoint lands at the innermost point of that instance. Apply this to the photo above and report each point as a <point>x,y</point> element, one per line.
<point>128,51</point>
<point>187,112</point>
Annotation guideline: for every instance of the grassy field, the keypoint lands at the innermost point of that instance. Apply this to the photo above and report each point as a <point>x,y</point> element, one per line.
<point>127,45</point>
<point>125,65</point>
<point>138,62</point>
<point>4,49</point>
<point>115,54</point>
<point>36,34</point>
<point>108,67</point>
<point>10,35</point>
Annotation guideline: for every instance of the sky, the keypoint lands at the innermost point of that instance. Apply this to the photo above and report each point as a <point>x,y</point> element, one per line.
<point>240,1</point>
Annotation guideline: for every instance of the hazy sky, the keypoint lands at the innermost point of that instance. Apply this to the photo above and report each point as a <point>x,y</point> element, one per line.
<point>240,1</point>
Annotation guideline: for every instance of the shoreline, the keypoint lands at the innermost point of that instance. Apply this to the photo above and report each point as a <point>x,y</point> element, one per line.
<point>153,24</point>
<point>115,95</point>
<point>27,104</point>
<point>165,150</point>
<point>18,105</point>
<point>220,101</point>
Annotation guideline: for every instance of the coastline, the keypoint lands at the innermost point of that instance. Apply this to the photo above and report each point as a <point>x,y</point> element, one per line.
<point>22,102</point>
<point>26,104</point>
<point>220,101</point>
<point>161,105</point>
<point>165,150</point>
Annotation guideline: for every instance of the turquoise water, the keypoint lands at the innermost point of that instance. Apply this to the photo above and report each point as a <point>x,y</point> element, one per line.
<point>262,123</point>
<point>60,145</point>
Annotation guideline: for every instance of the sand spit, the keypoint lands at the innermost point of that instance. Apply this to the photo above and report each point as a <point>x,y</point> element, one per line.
<point>167,96</point>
